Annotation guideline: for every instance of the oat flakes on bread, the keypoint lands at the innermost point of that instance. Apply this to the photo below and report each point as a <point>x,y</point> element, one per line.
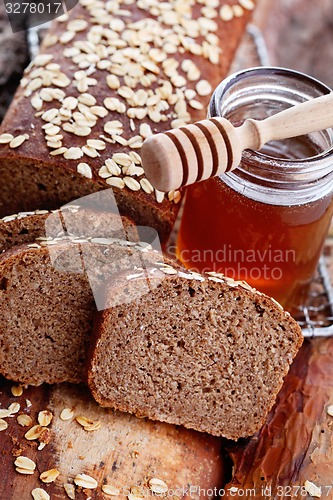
<point>207,353</point>
<point>74,220</point>
<point>110,74</point>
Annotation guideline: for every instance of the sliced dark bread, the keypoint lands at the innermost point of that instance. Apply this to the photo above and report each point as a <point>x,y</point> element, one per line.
<point>48,296</point>
<point>75,220</point>
<point>207,352</point>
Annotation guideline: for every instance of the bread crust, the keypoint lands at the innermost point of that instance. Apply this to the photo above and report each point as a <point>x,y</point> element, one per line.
<point>27,227</point>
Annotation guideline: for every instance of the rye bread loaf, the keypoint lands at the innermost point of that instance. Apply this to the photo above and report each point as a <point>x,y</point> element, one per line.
<point>207,353</point>
<point>71,220</point>
<point>49,293</point>
<point>109,75</point>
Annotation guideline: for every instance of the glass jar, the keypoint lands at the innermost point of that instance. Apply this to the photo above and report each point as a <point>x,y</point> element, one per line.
<point>266,221</point>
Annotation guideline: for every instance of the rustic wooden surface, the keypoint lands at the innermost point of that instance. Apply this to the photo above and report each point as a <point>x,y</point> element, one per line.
<point>125,452</point>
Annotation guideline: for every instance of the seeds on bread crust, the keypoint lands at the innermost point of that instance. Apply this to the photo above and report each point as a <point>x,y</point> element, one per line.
<point>88,424</point>
<point>6,138</point>
<point>137,61</point>
<point>18,141</point>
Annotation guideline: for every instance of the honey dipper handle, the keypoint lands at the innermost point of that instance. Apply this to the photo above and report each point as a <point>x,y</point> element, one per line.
<point>301,119</point>
<point>210,147</point>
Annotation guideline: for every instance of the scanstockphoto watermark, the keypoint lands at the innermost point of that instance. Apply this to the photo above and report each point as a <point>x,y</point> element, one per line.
<point>254,264</point>
<point>197,492</point>
<point>23,14</point>
<point>192,491</point>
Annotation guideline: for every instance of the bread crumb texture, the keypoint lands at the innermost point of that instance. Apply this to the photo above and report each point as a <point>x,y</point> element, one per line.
<point>204,352</point>
<point>60,281</point>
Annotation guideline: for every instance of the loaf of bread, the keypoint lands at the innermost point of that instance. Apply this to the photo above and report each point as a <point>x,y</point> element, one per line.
<point>207,352</point>
<point>49,293</point>
<point>109,75</point>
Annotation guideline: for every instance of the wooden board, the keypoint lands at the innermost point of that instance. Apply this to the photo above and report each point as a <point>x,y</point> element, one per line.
<point>125,452</point>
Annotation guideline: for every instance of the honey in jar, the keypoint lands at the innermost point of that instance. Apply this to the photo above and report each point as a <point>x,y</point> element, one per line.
<point>265,222</point>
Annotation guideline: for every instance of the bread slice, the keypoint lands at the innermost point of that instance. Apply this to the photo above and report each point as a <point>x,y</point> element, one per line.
<point>207,353</point>
<point>73,220</point>
<point>49,293</point>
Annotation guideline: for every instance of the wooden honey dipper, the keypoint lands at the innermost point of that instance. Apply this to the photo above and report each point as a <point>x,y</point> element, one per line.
<point>210,147</point>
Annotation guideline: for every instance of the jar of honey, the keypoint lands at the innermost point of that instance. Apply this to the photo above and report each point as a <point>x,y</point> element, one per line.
<point>266,221</point>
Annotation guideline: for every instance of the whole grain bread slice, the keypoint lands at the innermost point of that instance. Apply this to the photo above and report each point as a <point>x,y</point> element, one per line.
<point>49,293</point>
<point>73,220</point>
<point>207,352</point>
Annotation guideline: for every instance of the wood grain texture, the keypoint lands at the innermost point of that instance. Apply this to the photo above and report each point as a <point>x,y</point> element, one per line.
<point>125,451</point>
<point>298,34</point>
